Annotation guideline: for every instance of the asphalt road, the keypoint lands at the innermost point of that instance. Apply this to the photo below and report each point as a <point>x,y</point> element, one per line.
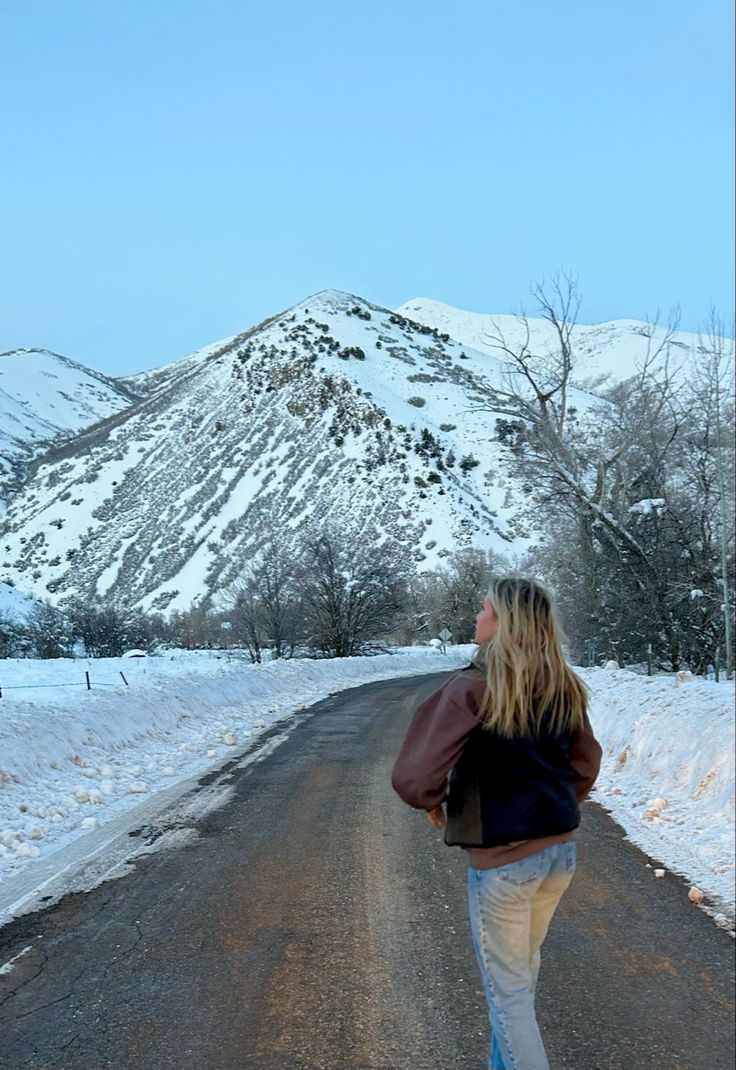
<point>316,923</point>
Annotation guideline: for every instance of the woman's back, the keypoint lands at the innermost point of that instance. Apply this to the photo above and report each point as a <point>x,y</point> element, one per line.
<point>503,790</point>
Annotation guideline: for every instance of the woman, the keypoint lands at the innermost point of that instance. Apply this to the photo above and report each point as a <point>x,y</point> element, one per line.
<point>512,732</point>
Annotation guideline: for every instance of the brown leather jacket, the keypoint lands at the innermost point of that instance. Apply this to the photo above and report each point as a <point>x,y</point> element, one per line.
<point>435,740</point>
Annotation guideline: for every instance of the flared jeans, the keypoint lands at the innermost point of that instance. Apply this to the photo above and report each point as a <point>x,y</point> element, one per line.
<point>510,909</point>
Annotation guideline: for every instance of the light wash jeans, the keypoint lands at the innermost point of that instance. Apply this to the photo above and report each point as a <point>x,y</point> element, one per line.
<point>511,907</point>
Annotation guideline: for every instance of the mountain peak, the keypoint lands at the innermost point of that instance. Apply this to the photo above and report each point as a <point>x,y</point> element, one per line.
<point>331,301</point>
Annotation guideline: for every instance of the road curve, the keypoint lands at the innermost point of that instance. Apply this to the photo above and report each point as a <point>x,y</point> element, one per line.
<point>316,923</point>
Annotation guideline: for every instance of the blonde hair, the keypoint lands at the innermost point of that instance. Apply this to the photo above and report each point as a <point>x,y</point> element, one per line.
<point>528,681</point>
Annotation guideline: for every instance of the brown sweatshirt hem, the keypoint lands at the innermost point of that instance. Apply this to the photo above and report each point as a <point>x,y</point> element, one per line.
<point>492,857</point>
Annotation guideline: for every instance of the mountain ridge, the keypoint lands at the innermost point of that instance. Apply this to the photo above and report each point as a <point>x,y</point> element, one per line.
<point>45,398</point>
<point>611,347</point>
<point>334,406</point>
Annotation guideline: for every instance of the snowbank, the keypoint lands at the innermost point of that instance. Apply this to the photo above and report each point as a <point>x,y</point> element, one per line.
<point>73,759</point>
<point>667,775</point>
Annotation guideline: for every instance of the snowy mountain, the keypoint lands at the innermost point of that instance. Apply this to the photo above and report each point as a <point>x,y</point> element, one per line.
<point>45,398</point>
<point>13,604</point>
<point>335,408</point>
<point>147,382</point>
<point>614,349</point>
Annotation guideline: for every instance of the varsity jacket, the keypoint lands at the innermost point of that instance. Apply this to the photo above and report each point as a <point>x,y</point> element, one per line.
<point>505,798</point>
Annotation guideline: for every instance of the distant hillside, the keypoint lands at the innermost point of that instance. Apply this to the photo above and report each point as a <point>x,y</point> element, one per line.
<point>13,604</point>
<point>335,408</point>
<point>46,398</point>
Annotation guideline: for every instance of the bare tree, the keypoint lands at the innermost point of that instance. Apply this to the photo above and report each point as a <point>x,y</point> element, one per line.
<point>452,594</point>
<point>717,348</point>
<point>412,624</point>
<point>351,594</point>
<point>609,475</point>
<point>263,606</point>
<point>14,641</point>
<point>243,609</point>
<point>107,629</point>
<point>274,577</point>
<point>192,629</point>
<point>49,632</point>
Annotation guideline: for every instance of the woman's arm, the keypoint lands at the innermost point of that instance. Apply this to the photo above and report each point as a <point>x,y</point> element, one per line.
<point>585,758</point>
<point>433,743</point>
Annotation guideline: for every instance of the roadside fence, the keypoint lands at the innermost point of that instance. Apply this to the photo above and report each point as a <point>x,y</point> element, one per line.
<point>88,684</point>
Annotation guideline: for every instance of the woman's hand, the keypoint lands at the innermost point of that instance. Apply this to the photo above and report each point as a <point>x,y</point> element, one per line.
<point>437,817</point>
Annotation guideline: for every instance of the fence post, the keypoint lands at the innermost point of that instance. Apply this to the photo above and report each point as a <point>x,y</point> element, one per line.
<point>89,685</point>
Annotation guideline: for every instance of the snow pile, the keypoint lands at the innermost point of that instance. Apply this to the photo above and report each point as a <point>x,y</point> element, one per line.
<point>667,774</point>
<point>74,758</point>
<point>648,505</point>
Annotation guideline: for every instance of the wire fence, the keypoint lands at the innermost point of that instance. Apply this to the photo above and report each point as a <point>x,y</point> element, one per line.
<point>87,684</point>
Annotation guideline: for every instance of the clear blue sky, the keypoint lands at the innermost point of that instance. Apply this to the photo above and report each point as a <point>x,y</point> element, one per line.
<point>176,170</point>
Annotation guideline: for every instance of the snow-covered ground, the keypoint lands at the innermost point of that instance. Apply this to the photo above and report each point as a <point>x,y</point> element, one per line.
<point>81,768</point>
<point>667,775</point>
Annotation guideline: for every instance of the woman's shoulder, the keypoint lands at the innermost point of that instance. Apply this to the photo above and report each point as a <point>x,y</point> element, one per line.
<point>474,670</point>
<point>465,687</point>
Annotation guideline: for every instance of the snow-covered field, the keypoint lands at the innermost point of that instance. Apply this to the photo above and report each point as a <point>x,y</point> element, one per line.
<point>80,768</point>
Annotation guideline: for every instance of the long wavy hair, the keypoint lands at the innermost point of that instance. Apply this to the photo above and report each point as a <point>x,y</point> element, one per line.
<point>529,685</point>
